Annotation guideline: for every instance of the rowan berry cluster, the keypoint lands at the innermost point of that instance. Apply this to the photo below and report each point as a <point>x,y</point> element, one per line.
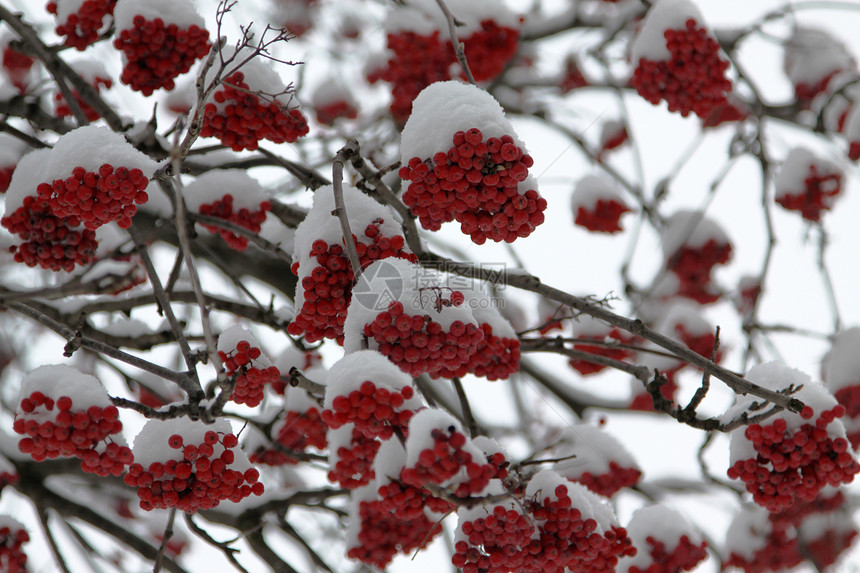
<point>64,110</point>
<point>82,27</point>
<point>53,429</point>
<point>684,557</point>
<point>223,209</point>
<point>446,458</point>
<point>326,114</point>
<point>613,135</point>
<point>692,80</point>
<point>251,376</point>
<point>794,465</point>
<point>156,53</point>
<point>728,112</point>
<point>816,196</point>
<point>693,266</point>
<point>50,241</point>
<point>375,411</point>
<point>420,60</point>
<point>353,467</point>
<point>779,552</point>
<point>97,198</point>
<point>418,344</point>
<point>12,536</point>
<point>849,398</point>
<point>609,483</point>
<point>407,502</point>
<point>382,534</point>
<point>476,182</point>
<point>328,287</point>
<point>497,357</point>
<point>572,77</point>
<point>200,480</point>
<point>494,544</point>
<point>17,65</point>
<point>298,431</point>
<point>569,539</point>
<point>8,478</point>
<point>587,368</point>
<point>240,119</point>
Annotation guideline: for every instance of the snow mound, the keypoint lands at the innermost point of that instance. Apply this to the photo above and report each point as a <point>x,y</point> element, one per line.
<point>180,12</point>
<point>664,15</point>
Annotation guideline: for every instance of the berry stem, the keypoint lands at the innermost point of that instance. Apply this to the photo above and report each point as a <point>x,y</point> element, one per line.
<point>460,48</point>
<point>340,211</point>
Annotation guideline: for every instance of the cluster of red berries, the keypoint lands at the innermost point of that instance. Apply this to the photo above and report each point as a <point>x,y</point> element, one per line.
<point>197,481</point>
<point>12,558</point>
<point>692,80</point>
<point>816,196</point>
<point>587,368</point>
<point>17,65</point>
<point>299,430</point>
<point>572,78</point>
<point>419,61</point>
<point>418,344</point>
<point>81,28</point>
<point>568,539</point>
<point>71,433</point>
<point>375,411</point>
<point>476,183</point>
<point>805,93</point>
<point>693,266</point>
<point>607,484</point>
<point>825,550</point>
<point>223,209</point>
<point>49,241</point>
<point>780,552</point>
<point>727,112</point>
<point>240,120</point>
<point>354,466</point>
<point>382,534</point>
<point>793,516</point>
<point>97,198</point>
<point>326,114</point>
<point>497,357</point>
<point>605,217</point>
<point>494,544</point>
<point>849,398</point>
<point>794,465</point>
<point>8,478</point>
<point>445,460</point>
<point>684,557</point>
<point>156,53</point>
<point>327,288</point>
<point>407,502</point>
<point>613,136</point>
<point>64,110</point>
<point>250,380</point>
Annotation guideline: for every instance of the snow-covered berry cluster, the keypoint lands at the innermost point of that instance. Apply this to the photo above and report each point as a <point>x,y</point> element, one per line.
<point>8,473</point>
<point>572,76</point>
<point>807,184</point>
<point>613,134</point>
<point>842,378</point>
<point>424,329</point>
<point>733,110</point>
<point>482,180</point>
<point>160,40</point>
<point>812,59</point>
<point>492,538</point>
<point>59,196</point>
<point>16,65</point>
<point>190,465</point>
<point>54,424</point>
<point>246,110</point>
<point>325,275</point>
<point>665,542</point>
<point>232,195</point>
<point>596,459</point>
<point>420,52</point>
<point>597,206</point>
<point>81,22</point>
<point>96,75</point>
<point>351,455</point>
<point>298,428</point>
<point>678,60</point>
<point>368,391</point>
<point>332,101</point>
<point>12,536</point>
<point>692,246</point>
<point>242,358</point>
<point>791,457</point>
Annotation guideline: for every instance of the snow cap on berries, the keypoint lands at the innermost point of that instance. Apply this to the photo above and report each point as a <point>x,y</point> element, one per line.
<point>544,483</point>
<point>179,12</point>
<point>444,108</point>
<point>215,184</point>
<point>152,443</point>
<point>748,532</point>
<point>89,147</point>
<point>690,229</point>
<point>235,334</point>
<point>56,381</point>
<point>596,452</point>
<point>421,427</point>
<point>350,372</point>
<point>424,16</point>
<point>812,56</point>
<point>794,177</point>
<point>259,76</point>
<point>664,15</point>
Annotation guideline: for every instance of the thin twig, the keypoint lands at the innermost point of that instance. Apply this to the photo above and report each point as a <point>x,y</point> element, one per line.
<point>459,47</point>
<point>340,211</point>
<point>168,533</point>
